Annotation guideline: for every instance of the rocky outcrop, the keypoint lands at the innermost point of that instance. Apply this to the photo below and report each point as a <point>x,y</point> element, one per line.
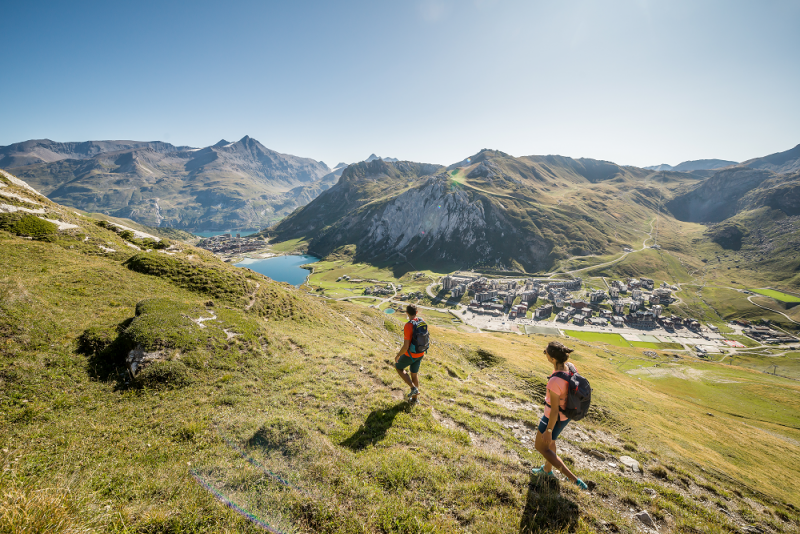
<point>435,222</point>
<point>138,359</point>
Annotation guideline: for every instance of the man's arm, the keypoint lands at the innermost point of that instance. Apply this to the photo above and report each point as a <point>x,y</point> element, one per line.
<point>403,349</point>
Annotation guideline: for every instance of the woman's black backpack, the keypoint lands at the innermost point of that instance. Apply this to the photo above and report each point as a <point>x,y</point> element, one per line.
<point>579,395</point>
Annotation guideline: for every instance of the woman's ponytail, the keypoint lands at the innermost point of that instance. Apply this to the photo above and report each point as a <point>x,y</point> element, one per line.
<point>558,351</point>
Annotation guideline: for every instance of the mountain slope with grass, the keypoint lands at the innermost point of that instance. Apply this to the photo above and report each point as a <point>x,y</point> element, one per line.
<point>224,186</point>
<point>162,390</point>
<point>490,209</point>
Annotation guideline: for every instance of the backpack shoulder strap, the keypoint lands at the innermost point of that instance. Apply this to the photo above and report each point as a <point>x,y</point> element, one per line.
<point>562,375</point>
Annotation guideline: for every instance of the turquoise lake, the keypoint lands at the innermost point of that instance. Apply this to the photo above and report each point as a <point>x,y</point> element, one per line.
<point>281,268</point>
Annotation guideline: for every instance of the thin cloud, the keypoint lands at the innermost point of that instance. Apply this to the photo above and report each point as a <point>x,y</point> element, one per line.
<point>433,10</point>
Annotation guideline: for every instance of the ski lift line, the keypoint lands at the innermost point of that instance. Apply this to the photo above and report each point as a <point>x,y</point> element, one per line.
<point>233,506</point>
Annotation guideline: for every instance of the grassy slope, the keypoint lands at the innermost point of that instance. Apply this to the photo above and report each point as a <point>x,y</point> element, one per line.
<point>777,295</point>
<point>163,232</point>
<point>315,400</point>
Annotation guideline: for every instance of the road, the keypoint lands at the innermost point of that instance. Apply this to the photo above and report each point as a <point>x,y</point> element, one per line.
<point>749,299</point>
<point>612,262</point>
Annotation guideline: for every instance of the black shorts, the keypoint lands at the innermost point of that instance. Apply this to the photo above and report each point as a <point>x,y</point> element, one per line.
<point>407,361</point>
<point>560,425</point>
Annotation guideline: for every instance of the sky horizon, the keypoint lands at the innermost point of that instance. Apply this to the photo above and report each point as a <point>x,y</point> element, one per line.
<point>634,82</point>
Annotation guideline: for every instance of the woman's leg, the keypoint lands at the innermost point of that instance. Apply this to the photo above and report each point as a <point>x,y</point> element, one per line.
<point>552,458</point>
<point>547,465</point>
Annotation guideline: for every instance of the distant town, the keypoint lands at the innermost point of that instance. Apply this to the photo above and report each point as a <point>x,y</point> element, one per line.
<point>227,245</point>
<point>630,304</point>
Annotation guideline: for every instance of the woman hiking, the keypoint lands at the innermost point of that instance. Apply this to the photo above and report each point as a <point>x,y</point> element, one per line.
<point>550,427</point>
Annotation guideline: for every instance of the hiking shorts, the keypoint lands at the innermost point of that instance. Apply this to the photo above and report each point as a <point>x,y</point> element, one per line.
<point>407,361</point>
<point>560,425</point>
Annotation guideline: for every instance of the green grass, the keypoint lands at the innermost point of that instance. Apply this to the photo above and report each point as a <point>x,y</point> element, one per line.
<point>310,396</point>
<point>27,225</point>
<point>619,341</point>
<point>657,346</point>
<point>786,365</point>
<point>777,295</point>
<point>291,245</point>
<point>599,337</point>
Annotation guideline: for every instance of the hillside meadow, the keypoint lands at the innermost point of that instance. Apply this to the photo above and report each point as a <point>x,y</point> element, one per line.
<point>301,423</point>
<point>271,408</point>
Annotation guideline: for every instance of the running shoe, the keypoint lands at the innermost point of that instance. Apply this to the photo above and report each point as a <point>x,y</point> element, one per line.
<point>541,471</point>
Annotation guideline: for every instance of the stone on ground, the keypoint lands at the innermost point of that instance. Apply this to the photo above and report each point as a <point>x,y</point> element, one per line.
<point>629,462</point>
<point>645,518</point>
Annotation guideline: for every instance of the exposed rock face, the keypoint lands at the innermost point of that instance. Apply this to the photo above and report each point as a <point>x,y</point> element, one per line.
<point>645,518</point>
<point>435,221</point>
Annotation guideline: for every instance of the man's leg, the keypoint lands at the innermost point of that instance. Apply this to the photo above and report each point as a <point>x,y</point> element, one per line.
<point>415,382</point>
<point>405,377</point>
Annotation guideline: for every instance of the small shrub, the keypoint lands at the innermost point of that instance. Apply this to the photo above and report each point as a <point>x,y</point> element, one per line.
<point>164,375</point>
<point>96,339</point>
<point>629,447</point>
<point>27,225</point>
<point>390,327</point>
<point>658,471</point>
<point>483,358</point>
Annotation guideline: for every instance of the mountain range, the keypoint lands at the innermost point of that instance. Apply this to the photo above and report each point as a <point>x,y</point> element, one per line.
<point>527,213</point>
<point>695,165</point>
<point>226,185</point>
<point>491,209</point>
<point>148,386</point>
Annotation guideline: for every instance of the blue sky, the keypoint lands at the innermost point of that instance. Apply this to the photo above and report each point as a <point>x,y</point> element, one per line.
<point>635,82</point>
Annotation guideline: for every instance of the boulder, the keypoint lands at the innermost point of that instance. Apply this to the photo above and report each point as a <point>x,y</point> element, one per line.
<point>645,518</point>
<point>629,462</point>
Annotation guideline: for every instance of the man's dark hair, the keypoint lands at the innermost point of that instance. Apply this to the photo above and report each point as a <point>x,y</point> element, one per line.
<point>411,310</point>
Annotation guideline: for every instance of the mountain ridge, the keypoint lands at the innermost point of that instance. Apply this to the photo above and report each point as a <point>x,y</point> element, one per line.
<point>240,184</point>
<point>493,210</point>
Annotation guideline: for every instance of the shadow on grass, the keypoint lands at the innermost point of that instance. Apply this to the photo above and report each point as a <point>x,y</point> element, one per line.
<point>546,510</point>
<point>374,428</point>
<point>105,349</point>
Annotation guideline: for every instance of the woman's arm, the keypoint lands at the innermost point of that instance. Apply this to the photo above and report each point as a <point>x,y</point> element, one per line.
<point>555,402</point>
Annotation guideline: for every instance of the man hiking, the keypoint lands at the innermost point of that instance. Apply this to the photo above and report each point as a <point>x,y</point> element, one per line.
<point>415,342</point>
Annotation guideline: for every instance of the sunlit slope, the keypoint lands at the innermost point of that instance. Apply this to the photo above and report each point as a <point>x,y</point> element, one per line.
<point>286,407</point>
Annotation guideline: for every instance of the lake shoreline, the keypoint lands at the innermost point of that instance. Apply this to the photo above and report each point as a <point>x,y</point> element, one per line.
<point>281,268</point>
